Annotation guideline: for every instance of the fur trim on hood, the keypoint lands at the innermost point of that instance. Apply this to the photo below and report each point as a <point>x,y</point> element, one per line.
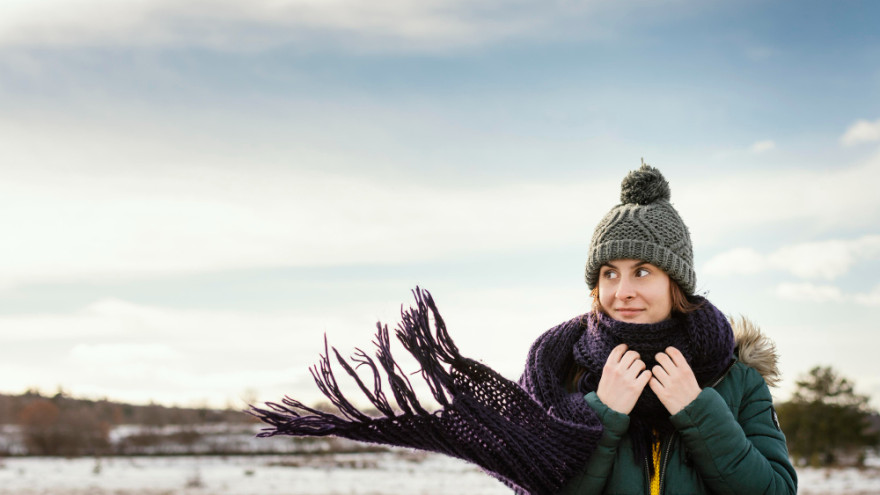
<point>756,349</point>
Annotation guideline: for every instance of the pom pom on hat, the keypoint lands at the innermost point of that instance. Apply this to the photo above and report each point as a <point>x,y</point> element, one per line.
<point>644,186</point>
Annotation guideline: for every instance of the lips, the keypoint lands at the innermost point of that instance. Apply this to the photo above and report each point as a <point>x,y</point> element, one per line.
<point>628,311</point>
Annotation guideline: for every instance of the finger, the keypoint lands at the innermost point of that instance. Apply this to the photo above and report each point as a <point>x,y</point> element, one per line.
<point>676,356</point>
<point>664,360</point>
<point>636,369</point>
<point>643,379</point>
<point>656,386</point>
<point>660,373</point>
<point>617,353</point>
<point>629,358</point>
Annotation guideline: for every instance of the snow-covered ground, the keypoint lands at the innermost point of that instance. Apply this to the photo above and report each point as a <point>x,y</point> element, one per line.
<point>389,473</point>
<point>850,481</point>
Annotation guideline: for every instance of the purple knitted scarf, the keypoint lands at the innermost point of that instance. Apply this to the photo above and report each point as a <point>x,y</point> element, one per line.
<point>533,435</point>
<point>704,337</point>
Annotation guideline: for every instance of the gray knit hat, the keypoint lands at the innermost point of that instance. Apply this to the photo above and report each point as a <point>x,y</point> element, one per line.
<point>644,226</point>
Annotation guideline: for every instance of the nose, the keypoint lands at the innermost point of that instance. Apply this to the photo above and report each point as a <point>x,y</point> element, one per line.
<point>625,289</point>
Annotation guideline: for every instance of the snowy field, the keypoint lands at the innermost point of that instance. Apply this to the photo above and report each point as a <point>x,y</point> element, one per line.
<point>392,473</point>
<point>396,473</point>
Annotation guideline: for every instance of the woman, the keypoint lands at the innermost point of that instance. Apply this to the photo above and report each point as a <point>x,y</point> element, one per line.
<point>679,411</point>
<point>648,393</point>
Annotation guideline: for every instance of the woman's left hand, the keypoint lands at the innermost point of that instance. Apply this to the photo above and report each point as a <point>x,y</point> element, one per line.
<point>673,380</point>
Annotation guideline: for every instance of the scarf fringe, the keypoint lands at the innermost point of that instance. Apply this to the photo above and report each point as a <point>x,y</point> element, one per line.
<point>484,418</point>
<point>292,417</point>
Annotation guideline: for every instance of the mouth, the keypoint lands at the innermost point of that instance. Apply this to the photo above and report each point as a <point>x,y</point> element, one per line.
<point>628,311</point>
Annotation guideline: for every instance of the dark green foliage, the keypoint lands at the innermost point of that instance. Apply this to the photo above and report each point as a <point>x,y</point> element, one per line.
<point>826,422</point>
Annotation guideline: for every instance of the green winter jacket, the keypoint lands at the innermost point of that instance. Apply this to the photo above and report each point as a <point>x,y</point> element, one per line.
<point>727,441</point>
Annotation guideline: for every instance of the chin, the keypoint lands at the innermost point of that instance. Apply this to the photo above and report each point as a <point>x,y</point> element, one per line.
<point>642,317</point>
<point>639,317</point>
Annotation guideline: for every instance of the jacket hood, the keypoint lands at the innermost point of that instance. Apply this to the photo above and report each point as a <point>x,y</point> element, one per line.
<point>756,350</point>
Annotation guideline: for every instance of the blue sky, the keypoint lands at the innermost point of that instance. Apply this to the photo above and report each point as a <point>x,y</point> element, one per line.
<point>194,194</point>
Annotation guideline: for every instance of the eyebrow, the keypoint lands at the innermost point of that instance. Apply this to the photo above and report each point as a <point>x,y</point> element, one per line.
<point>640,263</point>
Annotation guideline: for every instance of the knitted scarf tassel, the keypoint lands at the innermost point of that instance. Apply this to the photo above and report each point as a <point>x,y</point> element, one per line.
<point>484,418</point>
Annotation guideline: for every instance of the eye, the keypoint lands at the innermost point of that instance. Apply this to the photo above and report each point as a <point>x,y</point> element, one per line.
<point>642,272</point>
<point>609,274</point>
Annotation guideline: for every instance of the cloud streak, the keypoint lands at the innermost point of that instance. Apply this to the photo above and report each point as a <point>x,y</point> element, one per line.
<point>821,294</point>
<point>233,25</point>
<point>215,355</point>
<point>88,229</point>
<point>762,146</point>
<point>811,293</point>
<point>862,131</point>
<point>117,205</point>
<point>869,299</point>
<point>171,354</point>
<point>826,260</point>
<point>115,354</point>
<point>716,207</point>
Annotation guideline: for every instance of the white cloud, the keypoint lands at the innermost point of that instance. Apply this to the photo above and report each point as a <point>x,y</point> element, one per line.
<point>64,225</point>
<point>95,204</point>
<point>809,293</point>
<point>870,299</point>
<point>24,328</point>
<point>298,222</point>
<point>175,355</point>
<point>762,146</point>
<point>826,259</point>
<point>815,293</point>
<point>738,260</point>
<point>727,207</point>
<point>233,24</point>
<point>139,209</point>
<point>109,354</point>
<point>822,259</point>
<point>862,131</point>
<point>183,356</point>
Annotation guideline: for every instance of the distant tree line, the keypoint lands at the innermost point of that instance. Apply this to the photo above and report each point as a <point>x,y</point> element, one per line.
<point>61,425</point>
<point>827,423</point>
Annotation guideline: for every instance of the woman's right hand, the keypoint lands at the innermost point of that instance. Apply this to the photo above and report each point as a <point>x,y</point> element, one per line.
<point>623,379</point>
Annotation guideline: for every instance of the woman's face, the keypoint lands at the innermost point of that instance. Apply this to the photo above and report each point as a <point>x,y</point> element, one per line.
<point>634,291</point>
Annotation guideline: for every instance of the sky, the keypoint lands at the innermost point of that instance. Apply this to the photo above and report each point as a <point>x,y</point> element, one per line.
<point>194,194</point>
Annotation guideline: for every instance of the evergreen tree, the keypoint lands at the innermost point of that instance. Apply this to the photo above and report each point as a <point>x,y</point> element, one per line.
<point>826,422</point>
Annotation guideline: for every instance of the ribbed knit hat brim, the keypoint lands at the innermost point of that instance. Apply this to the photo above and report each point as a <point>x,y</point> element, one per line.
<point>677,268</point>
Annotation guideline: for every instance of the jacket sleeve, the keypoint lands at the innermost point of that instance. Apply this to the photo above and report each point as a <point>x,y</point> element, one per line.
<point>594,476</point>
<point>747,455</point>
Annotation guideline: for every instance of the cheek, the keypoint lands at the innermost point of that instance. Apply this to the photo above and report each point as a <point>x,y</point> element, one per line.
<point>663,299</point>
<point>605,295</point>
